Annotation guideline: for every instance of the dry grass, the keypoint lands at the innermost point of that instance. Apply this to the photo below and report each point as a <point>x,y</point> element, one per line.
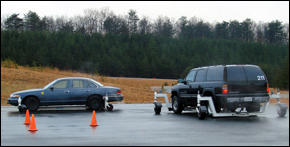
<point>133,90</point>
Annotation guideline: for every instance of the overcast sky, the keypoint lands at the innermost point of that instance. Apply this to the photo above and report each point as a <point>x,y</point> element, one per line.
<point>208,11</point>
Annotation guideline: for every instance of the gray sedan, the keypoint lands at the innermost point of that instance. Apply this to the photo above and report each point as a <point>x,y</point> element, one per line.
<point>67,91</point>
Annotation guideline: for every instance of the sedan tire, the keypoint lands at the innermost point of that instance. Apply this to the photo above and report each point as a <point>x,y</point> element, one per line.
<point>95,103</point>
<point>32,103</point>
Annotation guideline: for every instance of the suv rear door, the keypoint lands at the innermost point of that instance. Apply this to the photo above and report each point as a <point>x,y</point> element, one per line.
<point>257,81</point>
<point>246,79</point>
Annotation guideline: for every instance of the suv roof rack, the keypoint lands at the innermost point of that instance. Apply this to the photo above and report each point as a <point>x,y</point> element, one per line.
<point>211,66</point>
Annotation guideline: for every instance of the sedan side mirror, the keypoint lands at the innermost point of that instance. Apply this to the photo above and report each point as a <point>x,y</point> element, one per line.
<point>51,88</point>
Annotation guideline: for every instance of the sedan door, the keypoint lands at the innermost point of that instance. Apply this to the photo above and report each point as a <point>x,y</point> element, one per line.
<point>79,91</point>
<point>57,94</point>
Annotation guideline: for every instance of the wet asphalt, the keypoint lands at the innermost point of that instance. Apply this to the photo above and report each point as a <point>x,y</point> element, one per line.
<point>138,125</point>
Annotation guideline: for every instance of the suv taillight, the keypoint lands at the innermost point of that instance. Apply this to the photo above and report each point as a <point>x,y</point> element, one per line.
<point>119,92</point>
<point>267,87</point>
<point>225,89</point>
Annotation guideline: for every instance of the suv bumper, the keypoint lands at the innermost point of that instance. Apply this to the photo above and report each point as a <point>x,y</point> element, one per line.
<point>259,99</point>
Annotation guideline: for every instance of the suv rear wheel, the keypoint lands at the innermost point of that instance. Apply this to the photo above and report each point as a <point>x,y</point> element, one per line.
<point>176,105</point>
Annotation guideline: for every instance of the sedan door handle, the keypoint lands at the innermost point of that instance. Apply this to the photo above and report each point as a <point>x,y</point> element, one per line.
<point>87,90</point>
<point>66,91</point>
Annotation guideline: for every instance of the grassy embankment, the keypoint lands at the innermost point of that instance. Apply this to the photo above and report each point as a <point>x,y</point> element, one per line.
<point>15,78</point>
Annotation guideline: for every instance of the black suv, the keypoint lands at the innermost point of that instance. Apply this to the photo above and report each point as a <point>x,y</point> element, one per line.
<point>230,86</point>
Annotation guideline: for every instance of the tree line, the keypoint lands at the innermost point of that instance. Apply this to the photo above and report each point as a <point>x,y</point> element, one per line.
<point>103,43</point>
<point>105,21</point>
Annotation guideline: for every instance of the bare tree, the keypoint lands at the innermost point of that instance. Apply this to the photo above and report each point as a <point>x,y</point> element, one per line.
<point>247,30</point>
<point>50,23</point>
<point>163,26</point>
<point>60,21</point>
<point>79,24</point>
<point>91,18</point>
<point>144,26</point>
<point>3,19</point>
<point>132,21</point>
<point>259,32</point>
<point>286,32</point>
<point>104,13</point>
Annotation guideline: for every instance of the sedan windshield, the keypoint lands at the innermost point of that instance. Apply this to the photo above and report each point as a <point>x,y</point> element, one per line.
<point>48,85</point>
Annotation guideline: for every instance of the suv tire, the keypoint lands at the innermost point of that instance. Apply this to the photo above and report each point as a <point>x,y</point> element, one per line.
<point>176,105</point>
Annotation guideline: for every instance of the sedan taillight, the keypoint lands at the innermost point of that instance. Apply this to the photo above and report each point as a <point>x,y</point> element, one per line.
<point>119,92</point>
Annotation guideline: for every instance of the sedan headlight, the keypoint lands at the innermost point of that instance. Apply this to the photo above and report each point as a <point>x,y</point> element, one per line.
<point>14,95</point>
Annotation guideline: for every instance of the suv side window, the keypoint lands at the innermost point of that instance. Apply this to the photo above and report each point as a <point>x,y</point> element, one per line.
<point>190,76</point>
<point>215,74</point>
<point>199,75</point>
<point>236,73</point>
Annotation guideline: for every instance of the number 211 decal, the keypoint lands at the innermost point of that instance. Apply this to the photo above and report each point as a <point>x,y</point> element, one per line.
<point>261,78</point>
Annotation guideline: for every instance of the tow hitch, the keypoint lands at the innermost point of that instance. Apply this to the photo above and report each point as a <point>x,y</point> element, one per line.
<point>210,108</point>
<point>107,106</point>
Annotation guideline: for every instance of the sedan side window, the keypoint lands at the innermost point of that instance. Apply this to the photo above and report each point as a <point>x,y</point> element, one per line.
<point>190,76</point>
<point>92,85</point>
<point>64,84</point>
<point>79,84</point>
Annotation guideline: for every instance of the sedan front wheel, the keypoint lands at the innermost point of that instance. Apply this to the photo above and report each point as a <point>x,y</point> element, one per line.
<point>32,103</point>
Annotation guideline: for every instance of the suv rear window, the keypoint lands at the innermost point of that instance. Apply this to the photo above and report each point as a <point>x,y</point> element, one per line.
<point>254,73</point>
<point>236,73</point>
<point>215,74</point>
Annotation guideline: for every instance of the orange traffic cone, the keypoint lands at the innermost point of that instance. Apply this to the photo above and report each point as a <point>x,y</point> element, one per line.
<point>94,120</point>
<point>32,125</point>
<point>27,118</point>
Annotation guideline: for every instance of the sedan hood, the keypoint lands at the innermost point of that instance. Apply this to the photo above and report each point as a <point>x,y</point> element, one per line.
<point>29,90</point>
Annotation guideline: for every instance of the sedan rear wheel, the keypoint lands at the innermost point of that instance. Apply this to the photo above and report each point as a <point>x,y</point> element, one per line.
<point>95,103</point>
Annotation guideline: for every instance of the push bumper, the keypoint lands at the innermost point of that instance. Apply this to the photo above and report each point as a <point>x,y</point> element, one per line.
<point>12,101</point>
<point>115,98</point>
